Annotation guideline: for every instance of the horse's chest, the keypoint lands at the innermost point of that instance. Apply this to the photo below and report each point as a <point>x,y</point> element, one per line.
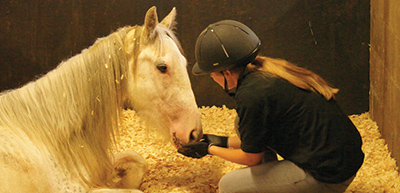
<point>26,169</point>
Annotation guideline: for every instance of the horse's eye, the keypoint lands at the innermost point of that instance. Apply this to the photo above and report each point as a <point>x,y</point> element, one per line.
<point>162,68</point>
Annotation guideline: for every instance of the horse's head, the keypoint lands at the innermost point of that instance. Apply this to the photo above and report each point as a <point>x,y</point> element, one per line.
<point>158,85</point>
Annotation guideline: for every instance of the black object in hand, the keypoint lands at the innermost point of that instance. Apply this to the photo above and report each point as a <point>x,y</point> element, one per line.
<point>221,141</point>
<point>195,149</point>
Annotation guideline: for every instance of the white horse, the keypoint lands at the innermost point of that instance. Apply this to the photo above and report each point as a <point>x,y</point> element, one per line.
<point>57,133</point>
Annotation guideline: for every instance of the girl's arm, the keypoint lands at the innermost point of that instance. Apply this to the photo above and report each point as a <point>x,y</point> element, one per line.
<point>234,142</point>
<point>236,155</point>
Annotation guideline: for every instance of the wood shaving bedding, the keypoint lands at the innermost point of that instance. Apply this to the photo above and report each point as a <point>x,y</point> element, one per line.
<point>169,171</point>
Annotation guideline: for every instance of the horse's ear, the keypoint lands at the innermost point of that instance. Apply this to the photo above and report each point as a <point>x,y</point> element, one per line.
<point>169,20</point>
<point>150,23</point>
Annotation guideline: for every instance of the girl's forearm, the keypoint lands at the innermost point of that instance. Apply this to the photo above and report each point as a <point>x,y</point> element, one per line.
<point>236,155</point>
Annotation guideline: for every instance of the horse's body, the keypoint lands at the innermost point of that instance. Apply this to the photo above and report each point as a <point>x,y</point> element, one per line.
<point>57,133</point>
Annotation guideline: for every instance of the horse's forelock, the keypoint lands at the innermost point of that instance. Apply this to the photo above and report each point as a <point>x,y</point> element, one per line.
<point>164,32</point>
<point>135,42</point>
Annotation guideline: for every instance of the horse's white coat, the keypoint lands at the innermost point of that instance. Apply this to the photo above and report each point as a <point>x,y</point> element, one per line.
<point>57,133</point>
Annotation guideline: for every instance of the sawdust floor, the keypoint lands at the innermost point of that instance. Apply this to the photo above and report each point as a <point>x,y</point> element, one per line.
<point>172,172</point>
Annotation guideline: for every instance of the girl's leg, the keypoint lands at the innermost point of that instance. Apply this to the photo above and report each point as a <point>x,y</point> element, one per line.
<point>275,177</point>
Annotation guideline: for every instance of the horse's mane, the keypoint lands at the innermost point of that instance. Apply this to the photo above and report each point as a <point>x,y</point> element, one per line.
<point>72,111</point>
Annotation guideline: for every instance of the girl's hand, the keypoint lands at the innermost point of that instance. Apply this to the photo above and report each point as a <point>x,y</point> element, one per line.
<point>195,149</point>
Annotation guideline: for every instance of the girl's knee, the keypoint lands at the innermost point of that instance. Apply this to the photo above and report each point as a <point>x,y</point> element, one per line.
<point>223,184</point>
<point>227,182</point>
<point>234,181</point>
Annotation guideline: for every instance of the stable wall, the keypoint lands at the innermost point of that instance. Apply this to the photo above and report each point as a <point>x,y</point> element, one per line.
<point>385,71</point>
<point>329,37</point>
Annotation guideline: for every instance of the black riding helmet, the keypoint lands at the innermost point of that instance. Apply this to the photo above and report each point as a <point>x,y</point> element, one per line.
<point>225,45</point>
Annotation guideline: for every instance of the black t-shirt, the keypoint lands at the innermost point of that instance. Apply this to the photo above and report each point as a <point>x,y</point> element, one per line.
<point>299,125</point>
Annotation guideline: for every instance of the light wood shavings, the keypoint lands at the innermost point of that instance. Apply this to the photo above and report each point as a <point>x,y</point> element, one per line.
<point>170,171</point>
<point>379,171</point>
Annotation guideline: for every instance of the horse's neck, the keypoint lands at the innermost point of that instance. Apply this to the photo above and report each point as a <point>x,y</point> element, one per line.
<point>42,104</point>
<point>72,111</point>
<point>76,95</point>
<point>64,96</point>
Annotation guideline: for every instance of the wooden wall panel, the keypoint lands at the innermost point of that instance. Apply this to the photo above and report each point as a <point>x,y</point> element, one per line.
<point>385,71</point>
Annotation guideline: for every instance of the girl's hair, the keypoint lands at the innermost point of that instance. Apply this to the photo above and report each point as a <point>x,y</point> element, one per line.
<point>296,75</point>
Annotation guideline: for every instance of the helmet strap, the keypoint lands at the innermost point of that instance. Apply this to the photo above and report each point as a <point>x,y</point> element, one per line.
<point>230,92</point>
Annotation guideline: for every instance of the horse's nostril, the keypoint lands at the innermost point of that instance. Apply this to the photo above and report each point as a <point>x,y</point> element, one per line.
<point>192,136</point>
<point>195,135</point>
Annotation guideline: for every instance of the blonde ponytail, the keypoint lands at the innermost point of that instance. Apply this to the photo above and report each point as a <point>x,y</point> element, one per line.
<point>296,75</point>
